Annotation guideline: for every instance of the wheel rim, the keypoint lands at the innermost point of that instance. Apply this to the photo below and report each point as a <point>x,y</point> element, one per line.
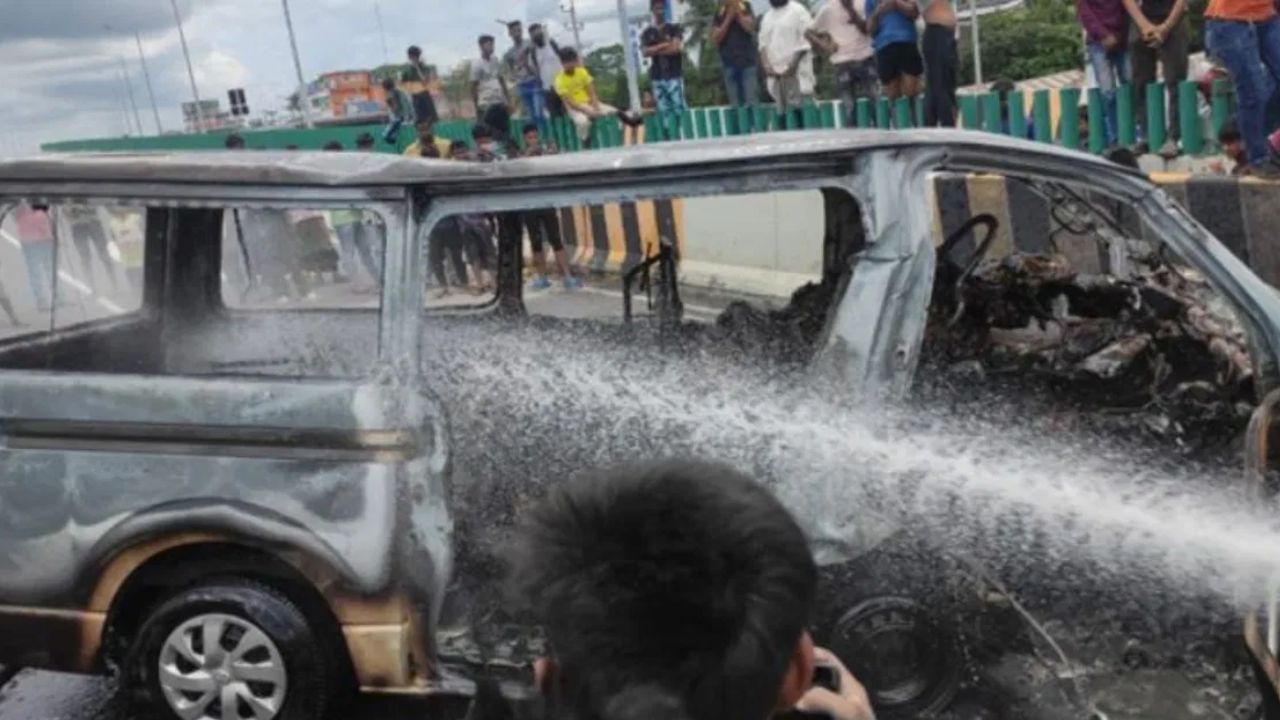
<point>221,667</point>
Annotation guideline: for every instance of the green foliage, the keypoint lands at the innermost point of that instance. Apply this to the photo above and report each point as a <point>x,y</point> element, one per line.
<point>1039,39</point>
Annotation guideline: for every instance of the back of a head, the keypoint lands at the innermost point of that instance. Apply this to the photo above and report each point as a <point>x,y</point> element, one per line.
<point>667,590</point>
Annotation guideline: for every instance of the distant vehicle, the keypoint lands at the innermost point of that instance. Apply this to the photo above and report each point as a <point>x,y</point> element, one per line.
<point>241,490</point>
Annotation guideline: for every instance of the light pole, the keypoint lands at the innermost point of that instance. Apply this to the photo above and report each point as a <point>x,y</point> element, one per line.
<point>633,68</point>
<point>382,32</point>
<point>128,86</point>
<point>297,66</point>
<point>977,42</point>
<point>573,23</point>
<point>191,75</point>
<point>146,75</point>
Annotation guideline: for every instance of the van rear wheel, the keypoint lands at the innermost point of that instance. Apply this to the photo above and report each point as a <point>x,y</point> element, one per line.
<point>229,650</point>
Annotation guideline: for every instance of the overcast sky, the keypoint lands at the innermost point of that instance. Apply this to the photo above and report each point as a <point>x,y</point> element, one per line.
<point>61,58</point>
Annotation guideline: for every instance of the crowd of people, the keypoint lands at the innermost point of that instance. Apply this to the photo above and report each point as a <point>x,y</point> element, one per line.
<point>877,49</point>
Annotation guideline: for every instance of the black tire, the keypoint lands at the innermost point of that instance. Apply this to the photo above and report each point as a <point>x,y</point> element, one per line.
<point>910,666</point>
<point>311,675</point>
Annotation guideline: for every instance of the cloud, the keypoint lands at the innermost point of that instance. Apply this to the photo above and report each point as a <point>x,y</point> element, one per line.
<point>61,57</point>
<point>75,19</point>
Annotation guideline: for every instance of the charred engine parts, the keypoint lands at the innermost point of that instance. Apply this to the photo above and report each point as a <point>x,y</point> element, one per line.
<point>1157,347</point>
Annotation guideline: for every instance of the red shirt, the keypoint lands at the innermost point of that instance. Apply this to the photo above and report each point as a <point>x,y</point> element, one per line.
<point>1246,10</point>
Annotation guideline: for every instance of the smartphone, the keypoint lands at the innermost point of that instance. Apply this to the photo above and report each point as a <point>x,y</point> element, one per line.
<point>824,676</point>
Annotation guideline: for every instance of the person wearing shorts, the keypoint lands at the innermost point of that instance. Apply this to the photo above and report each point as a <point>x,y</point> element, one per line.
<point>663,43</point>
<point>893,35</point>
<point>543,226</point>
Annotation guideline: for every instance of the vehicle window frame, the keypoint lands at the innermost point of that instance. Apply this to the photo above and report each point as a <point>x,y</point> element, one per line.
<point>391,204</point>
<point>724,183</point>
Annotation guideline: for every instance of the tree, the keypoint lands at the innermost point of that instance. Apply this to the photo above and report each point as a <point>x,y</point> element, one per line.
<point>1038,39</point>
<point>608,65</point>
<point>456,89</point>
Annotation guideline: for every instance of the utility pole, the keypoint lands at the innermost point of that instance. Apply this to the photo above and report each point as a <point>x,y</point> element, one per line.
<point>191,75</point>
<point>382,32</point>
<point>147,76</point>
<point>573,22</point>
<point>124,112</point>
<point>128,86</point>
<point>297,66</point>
<point>977,43</point>
<point>633,67</point>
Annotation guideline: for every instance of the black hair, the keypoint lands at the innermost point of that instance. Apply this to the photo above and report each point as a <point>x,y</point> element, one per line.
<point>514,23</point>
<point>535,26</point>
<point>234,141</point>
<point>1122,156</point>
<point>333,145</point>
<point>653,3</point>
<point>481,132</point>
<point>364,140</point>
<point>291,146</point>
<point>458,145</point>
<point>1230,131</point>
<point>485,38</point>
<point>568,54</point>
<point>388,83</point>
<point>529,127</point>
<point>676,589</point>
<point>414,51</point>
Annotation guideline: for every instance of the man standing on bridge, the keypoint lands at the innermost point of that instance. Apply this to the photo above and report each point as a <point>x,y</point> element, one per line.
<point>663,44</point>
<point>785,54</point>
<point>489,91</point>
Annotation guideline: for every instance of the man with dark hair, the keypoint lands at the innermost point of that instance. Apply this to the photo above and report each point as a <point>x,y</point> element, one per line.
<point>663,43</point>
<point>522,65</point>
<point>733,30</point>
<point>418,77</point>
<point>543,226</point>
<point>489,90</point>
<point>234,142</point>
<point>1106,28</point>
<point>544,53</point>
<point>399,111</point>
<point>674,590</point>
<point>577,90</point>
<point>364,142</point>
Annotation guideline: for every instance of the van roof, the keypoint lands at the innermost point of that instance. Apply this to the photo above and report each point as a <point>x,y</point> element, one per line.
<point>352,169</point>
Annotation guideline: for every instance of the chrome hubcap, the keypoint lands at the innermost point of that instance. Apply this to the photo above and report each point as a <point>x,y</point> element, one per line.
<point>221,667</point>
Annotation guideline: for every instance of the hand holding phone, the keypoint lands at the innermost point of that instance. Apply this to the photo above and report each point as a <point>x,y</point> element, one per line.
<point>836,693</point>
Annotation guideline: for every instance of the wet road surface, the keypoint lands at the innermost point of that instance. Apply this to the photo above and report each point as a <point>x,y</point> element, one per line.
<point>35,695</point>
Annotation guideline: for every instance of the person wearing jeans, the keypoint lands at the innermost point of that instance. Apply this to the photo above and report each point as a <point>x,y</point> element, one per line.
<point>35,234</point>
<point>522,64</point>
<point>733,32</point>
<point>1244,35</point>
<point>1106,27</point>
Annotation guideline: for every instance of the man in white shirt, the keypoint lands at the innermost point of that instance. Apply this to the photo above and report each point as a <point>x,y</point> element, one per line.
<point>785,55</point>
<point>841,32</point>
<point>546,58</point>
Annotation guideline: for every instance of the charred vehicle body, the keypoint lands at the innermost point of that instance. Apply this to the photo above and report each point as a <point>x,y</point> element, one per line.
<point>253,482</point>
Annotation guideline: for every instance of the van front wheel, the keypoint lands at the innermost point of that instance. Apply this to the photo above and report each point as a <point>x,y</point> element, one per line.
<point>230,649</point>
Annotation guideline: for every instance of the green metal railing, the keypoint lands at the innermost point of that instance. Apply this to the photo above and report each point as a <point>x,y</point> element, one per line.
<point>988,112</point>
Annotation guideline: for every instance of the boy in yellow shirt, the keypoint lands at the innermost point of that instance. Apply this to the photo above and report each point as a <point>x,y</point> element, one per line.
<point>577,89</point>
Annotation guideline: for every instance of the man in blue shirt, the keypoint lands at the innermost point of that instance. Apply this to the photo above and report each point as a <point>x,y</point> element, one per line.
<point>893,35</point>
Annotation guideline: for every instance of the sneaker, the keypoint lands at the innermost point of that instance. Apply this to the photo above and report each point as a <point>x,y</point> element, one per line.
<point>540,283</point>
<point>572,283</point>
<point>1170,150</point>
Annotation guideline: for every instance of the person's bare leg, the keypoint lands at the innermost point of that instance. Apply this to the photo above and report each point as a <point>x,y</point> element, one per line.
<point>562,260</point>
<point>540,263</point>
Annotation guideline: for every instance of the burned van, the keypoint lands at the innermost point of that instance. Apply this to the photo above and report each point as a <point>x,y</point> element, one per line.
<point>267,418</point>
